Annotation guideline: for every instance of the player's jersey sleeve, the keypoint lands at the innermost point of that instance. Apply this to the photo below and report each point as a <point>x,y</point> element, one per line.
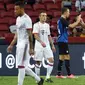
<point>35,29</point>
<point>28,23</point>
<point>48,30</point>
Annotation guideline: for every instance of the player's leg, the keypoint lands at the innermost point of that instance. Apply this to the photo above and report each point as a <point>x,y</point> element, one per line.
<point>67,65</point>
<point>21,68</point>
<point>39,80</point>
<point>60,64</point>
<point>38,59</point>
<point>67,61</point>
<point>37,67</point>
<point>21,75</point>
<point>29,71</point>
<point>62,52</point>
<point>49,69</point>
<point>50,60</point>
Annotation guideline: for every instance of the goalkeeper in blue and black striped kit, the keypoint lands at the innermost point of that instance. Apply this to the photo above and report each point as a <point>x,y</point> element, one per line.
<point>62,40</point>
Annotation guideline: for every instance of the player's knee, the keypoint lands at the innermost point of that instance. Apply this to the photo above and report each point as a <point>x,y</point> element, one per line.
<point>38,64</point>
<point>51,60</point>
<point>67,57</point>
<point>27,69</point>
<point>50,63</point>
<point>61,57</point>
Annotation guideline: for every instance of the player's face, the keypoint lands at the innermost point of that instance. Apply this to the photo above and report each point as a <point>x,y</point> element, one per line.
<point>67,13</point>
<point>43,17</point>
<point>17,10</point>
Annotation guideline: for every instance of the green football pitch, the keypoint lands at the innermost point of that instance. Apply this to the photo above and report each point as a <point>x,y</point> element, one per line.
<point>12,80</point>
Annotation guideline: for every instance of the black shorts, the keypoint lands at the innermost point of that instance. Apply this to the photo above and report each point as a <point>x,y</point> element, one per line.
<point>63,48</point>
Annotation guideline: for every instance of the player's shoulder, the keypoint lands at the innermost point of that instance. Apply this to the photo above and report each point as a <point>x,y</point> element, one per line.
<point>18,18</point>
<point>37,23</point>
<point>26,17</point>
<point>46,23</point>
<point>61,19</point>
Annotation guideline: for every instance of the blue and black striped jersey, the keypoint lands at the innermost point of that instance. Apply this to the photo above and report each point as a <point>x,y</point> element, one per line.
<point>62,26</point>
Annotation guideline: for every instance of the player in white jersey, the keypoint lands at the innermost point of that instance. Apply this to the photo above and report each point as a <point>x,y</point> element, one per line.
<point>41,31</point>
<point>23,36</point>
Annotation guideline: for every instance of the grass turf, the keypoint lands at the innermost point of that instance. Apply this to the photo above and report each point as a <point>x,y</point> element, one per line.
<point>12,80</point>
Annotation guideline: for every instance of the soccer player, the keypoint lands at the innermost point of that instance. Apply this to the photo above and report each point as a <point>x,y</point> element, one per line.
<point>23,36</point>
<point>43,40</point>
<point>62,40</point>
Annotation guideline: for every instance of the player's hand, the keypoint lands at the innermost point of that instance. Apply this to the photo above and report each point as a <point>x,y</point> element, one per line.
<point>43,44</point>
<point>9,49</point>
<point>74,31</point>
<point>31,52</point>
<point>53,48</point>
<point>81,21</point>
<point>79,18</point>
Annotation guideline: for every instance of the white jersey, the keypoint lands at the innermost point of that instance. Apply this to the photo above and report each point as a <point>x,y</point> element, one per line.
<point>23,23</point>
<point>43,29</point>
<point>80,3</point>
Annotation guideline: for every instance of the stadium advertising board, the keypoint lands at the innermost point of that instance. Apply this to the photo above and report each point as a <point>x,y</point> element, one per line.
<point>77,52</point>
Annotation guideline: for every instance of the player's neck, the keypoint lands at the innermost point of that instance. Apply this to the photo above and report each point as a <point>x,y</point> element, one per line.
<point>63,16</point>
<point>42,22</point>
<point>22,14</point>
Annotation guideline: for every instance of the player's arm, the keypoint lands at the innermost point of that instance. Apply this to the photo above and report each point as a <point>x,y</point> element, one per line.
<point>10,47</point>
<point>50,40</point>
<point>51,43</point>
<point>30,38</point>
<point>31,48</point>
<point>82,23</point>
<point>14,40</point>
<point>28,25</point>
<point>73,25</point>
<point>49,36</point>
<point>36,36</point>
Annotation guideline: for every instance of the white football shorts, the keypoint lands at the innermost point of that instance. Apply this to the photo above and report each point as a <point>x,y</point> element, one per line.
<point>22,55</point>
<point>44,52</point>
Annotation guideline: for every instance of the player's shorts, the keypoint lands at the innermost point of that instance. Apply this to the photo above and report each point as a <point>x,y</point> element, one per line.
<point>63,48</point>
<point>22,55</point>
<point>43,53</point>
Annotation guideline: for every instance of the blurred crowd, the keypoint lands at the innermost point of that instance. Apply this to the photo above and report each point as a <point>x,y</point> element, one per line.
<point>79,5</point>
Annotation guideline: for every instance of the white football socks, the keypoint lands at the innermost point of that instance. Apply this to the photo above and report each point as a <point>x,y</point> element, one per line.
<point>37,69</point>
<point>21,75</point>
<point>49,70</point>
<point>31,73</point>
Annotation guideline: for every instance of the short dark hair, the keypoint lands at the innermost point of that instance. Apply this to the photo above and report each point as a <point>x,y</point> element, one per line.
<point>19,3</point>
<point>64,9</point>
<point>42,12</point>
